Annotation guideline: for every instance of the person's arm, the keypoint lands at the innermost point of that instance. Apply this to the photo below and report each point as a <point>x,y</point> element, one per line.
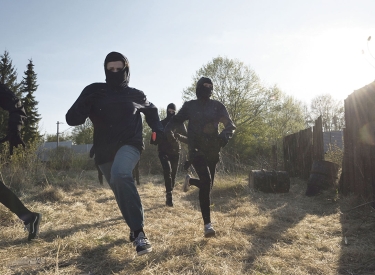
<point>229,126</point>
<point>177,120</point>
<point>10,103</point>
<point>181,133</point>
<point>80,110</point>
<point>151,114</point>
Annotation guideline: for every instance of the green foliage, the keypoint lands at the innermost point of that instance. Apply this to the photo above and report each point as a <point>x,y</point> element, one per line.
<point>83,134</point>
<point>262,115</point>
<point>63,158</point>
<point>53,137</point>
<point>22,168</point>
<point>30,131</point>
<point>237,87</point>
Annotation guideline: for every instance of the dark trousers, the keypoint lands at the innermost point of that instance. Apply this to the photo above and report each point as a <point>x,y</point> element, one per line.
<point>13,203</point>
<point>169,164</point>
<point>206,173</point>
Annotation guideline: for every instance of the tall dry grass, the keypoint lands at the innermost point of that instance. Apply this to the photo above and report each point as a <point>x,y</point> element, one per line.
<point>82,231</point>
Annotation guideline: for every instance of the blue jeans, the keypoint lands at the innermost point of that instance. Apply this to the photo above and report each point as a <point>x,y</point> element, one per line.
<point>119,177</point>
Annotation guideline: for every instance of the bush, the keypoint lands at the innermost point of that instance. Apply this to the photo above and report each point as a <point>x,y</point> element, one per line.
<point>334,154</point>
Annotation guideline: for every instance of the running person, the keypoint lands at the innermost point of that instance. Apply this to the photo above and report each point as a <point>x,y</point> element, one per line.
<point>114,109</point>
<point>204,142</point>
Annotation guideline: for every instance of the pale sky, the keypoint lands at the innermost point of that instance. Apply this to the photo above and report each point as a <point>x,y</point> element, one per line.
<point>306,48</point>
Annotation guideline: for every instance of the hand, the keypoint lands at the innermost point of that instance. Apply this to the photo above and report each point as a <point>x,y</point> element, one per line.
<point>158,137</point>
<point>223,140</point>
<point>14,139</point>
<point>91,98</point>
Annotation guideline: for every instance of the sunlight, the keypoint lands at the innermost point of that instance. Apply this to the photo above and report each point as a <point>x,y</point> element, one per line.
<point>337,61</point>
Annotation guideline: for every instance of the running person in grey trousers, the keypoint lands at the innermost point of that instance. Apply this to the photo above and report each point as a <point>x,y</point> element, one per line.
<point>115,111</point>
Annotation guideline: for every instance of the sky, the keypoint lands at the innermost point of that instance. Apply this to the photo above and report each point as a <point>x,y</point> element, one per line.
<point>306,48</point>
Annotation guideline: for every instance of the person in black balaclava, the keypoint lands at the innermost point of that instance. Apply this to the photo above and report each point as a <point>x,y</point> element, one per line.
<point>115,111</point>
<point>169,154</point>
<point>10,103</point>
<point>204,142</point>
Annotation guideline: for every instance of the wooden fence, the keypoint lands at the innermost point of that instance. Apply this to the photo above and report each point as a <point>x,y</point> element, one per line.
<point>302,148</point>
<point>358,167</point>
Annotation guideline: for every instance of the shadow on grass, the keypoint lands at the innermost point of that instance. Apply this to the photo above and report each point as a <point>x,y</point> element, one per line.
<point>358,228</point>
<point>50,235</point>
<point>100,260</point>
<point>227,198</point>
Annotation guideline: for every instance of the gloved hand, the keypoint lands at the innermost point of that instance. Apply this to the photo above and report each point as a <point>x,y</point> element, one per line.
<point>159,136</point>
<point>223,139</point>
<point>14,139</point>
<point>91,98</point>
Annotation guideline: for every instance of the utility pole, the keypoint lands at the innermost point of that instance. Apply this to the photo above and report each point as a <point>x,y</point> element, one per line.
<point>57,134</point>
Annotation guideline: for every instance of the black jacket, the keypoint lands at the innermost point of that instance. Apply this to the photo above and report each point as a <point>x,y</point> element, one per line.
<point>10,103</point>
<point>116,118</point>
<point>203,129</point>
<point>172,146</point>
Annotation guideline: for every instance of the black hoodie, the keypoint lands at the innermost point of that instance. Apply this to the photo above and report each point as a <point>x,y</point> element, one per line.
<point>172,146</point>
<point>116,116</point>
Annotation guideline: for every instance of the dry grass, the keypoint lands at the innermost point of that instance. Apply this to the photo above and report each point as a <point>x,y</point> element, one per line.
<point>82,232</point>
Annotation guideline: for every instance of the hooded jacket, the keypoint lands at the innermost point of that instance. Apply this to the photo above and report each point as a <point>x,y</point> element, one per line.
<point>204,115</point>
<point>116,117</point>
<point>172,146</point>
<point>10,103</point>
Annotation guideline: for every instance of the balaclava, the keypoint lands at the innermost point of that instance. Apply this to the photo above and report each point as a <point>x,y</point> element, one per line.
<point>171,106</point>
<point>201,91</point>
<point>120,78</point>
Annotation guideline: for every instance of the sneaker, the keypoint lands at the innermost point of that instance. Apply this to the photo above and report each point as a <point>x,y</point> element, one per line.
<point>209,231</point>
<point>142,244</point>
<point>168,200</point>
<point>131,236</point>
<point>33,226</point>
<point>186,183</point>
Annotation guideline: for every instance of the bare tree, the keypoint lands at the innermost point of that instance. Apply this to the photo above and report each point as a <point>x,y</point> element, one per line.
<point>331,110</point>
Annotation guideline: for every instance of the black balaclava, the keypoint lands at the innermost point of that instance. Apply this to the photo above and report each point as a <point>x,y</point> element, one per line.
<point>120,78</point>
<point>171,106</point>
<point>201,91</point>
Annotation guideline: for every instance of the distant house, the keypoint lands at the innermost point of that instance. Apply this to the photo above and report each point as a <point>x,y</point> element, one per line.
<point>44,149</point>
<point>333,138</point>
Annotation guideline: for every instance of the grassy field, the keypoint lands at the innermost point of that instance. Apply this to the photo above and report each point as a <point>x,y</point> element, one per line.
<point>82,231</point>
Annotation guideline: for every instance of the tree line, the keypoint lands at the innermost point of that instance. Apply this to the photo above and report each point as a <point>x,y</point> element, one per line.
<point>263,114</point>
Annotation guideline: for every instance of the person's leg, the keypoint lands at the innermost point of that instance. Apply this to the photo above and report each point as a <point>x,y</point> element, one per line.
<point>204,184</point>
<point>174,159</point>
<point>212,167</point>
<point>14,204</point>
<point>165,164</point>
<point>120,178</point>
